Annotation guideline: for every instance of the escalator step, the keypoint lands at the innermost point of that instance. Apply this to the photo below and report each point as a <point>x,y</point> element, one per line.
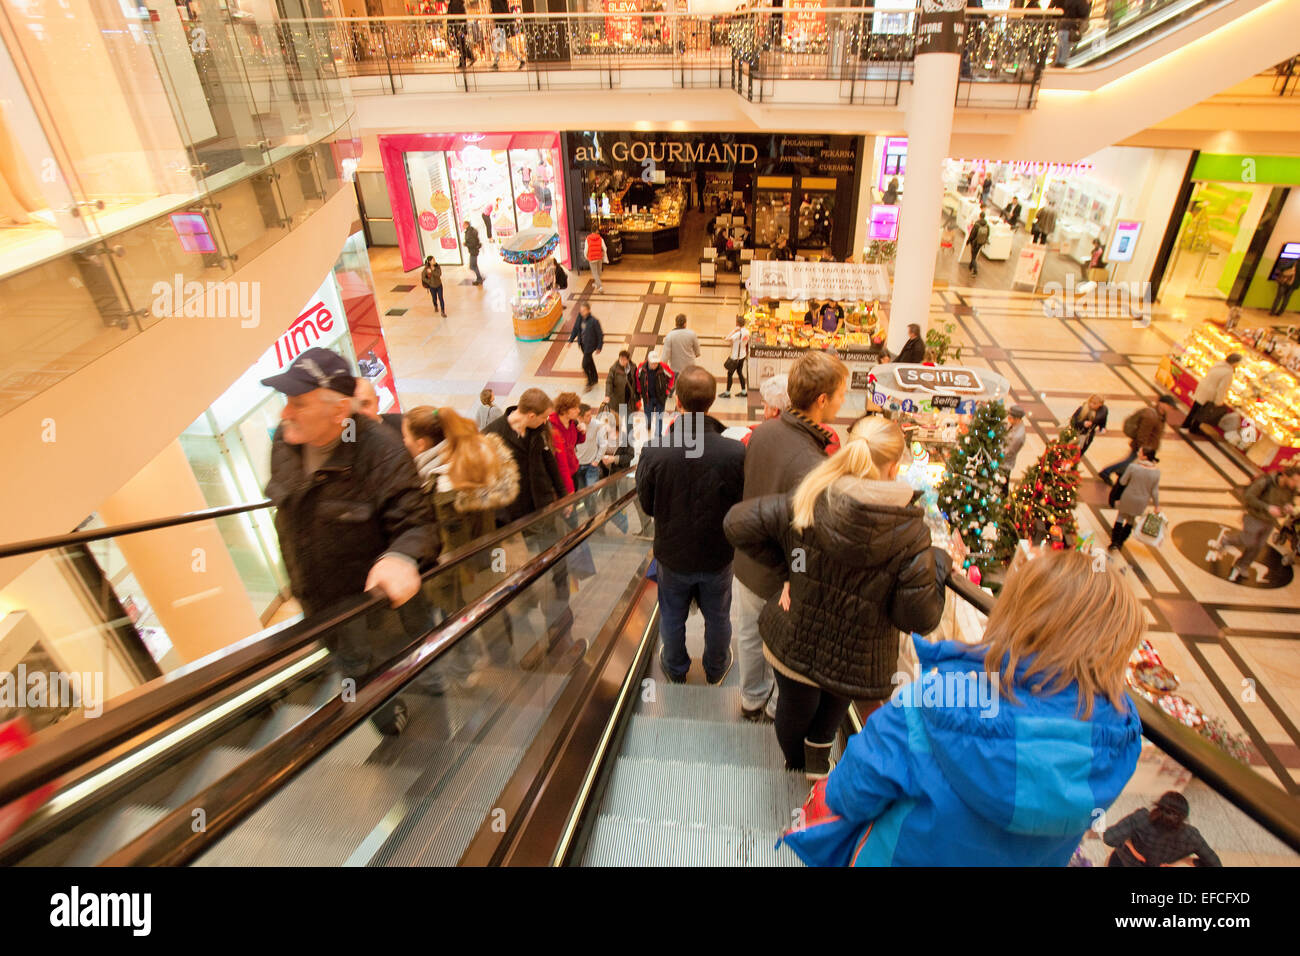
<point>693,702</point>
<point>703,795</point>
<point>618,842</point>
<point>674,738</point>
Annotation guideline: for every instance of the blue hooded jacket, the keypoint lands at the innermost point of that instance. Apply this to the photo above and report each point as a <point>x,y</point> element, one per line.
<point>971,780</point>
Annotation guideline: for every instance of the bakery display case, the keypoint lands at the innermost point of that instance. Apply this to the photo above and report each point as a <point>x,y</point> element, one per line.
<point>1264,391</point>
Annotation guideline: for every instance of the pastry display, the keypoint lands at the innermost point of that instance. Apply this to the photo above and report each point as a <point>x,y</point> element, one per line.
<point>1262,390</point>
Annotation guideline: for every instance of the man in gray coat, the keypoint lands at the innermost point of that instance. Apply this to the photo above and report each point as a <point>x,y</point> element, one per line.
<point>681,347</point>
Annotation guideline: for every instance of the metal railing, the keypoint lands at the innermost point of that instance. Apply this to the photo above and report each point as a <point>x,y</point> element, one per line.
<point>869,52</point>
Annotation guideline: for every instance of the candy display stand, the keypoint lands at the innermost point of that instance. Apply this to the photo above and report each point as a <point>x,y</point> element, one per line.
<point>536,307</point>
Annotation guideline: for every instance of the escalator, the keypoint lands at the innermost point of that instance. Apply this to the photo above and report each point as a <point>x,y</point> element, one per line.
<point>541,732</point>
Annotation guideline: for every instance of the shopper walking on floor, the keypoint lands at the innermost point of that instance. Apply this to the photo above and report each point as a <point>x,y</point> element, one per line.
<point>431,279</point>
<point>854,554</point>
<point>1144,429</point>
<point>681,348</point>
<point>738,342</point>
<point>1159,836</point>
<point>1089,420</point>
<point>978,238</point>
<point>654,384</point>
<point>590,336</point>
<point>1141,488</point>
<point>487,411</point>
<point>1268,499</point>
<point>1044,224</point>
<point>472,246</point>
<point>688,483</point>
<point>597,254</point>
<point>621,391</point>
<point>948,776</point>
<point>781,452</point>
<point>1211,390</point>
<point>1015,440</point>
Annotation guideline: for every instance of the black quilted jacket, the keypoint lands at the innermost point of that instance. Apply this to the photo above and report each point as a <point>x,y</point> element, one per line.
<point>863,572</point>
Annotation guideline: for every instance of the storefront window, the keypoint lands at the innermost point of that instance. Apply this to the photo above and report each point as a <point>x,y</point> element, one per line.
<point>435,219</point>
<point>816,214</point>
<point>533,174</point>
<point>772,211</point>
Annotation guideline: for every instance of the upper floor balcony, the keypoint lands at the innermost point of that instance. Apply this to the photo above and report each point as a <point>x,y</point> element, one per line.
<point>140,148</point>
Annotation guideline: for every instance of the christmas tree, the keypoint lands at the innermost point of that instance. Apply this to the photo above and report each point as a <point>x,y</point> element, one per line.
<point>1046,497</point>
<point>973,490</point>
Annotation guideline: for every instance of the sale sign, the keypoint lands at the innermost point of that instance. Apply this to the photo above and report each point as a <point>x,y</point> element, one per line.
<point>808,16</point>
<point>428,221</point>
<point>527,202</point>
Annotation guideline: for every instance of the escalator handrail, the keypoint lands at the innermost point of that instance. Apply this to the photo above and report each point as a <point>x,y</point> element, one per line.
<point>65,746</point>
<point>135,527</point>
<point>173,841</point>
<point>1269,806</point>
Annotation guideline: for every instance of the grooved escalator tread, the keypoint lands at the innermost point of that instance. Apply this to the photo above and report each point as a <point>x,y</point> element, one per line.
<point>703,795</point>
<point>618,842</point>
<point>692,741</point>
<point>86,847</point>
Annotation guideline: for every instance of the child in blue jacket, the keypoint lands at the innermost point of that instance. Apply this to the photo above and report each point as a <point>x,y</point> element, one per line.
<point>1002,753</point>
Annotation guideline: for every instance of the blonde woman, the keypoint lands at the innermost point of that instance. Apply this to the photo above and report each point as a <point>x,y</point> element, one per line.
<point>467,476</point>
<point>855,556</point>
<point>1001,754</point>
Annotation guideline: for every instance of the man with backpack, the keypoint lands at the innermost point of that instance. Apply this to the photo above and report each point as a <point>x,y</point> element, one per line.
<point>1144,429</point>
<point>978,238</point>
<point>591,339</point>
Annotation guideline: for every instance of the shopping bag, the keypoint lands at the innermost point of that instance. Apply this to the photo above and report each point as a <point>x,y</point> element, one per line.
<point>1153,529</point>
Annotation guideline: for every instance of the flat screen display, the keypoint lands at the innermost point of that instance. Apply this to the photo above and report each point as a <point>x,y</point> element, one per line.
<point>192,230</point>
<point>1287,257</point>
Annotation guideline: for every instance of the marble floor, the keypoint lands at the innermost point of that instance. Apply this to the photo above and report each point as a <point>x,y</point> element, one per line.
<point>1235,649</point>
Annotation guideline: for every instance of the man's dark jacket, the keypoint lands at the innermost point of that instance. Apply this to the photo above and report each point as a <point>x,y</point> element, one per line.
<point>781,451</point>
<point>588,334</point>
<point>539,474</point>
<point>688,492</point>
<point>333,525</point>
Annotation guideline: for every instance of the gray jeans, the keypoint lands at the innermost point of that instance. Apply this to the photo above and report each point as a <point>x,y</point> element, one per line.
<point>1251,539</point>
<point>756,679</point>
<point>595,272</point>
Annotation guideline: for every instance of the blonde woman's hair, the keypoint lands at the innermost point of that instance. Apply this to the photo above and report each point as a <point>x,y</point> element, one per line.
<point>874,444</point>
<point>1079,623</point>
<point>473,463</point>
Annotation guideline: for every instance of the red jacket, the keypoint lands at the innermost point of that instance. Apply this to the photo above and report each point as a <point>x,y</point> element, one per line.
<point>566,439</point>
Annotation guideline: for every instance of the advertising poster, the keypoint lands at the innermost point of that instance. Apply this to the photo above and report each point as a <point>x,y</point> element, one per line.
<point>841,281</point>
<point>622,21</point>
<point>1125,238</point>
<point>1029,267</point>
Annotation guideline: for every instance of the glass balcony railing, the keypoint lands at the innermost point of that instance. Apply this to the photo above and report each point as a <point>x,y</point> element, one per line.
<point>196,141</point>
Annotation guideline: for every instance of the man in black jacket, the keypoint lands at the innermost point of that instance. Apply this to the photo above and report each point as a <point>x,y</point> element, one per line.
<point>350,514</point>
<point>525,429</point>
<point>621,387</point>
<point>913,350</point>
<point>591,339</point>
<point>687,481</point>
<point>781,451</point>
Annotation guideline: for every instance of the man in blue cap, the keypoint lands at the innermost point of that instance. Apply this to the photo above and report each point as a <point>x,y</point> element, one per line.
<point>350,514</point>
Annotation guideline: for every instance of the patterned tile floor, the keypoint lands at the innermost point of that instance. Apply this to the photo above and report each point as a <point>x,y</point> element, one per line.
<point>1236,650</point>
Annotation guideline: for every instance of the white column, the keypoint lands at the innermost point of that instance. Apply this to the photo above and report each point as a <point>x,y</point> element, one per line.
<point>929,128</point>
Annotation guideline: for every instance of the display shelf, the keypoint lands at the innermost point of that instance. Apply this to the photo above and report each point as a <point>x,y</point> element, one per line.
<point>1264,392</point>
